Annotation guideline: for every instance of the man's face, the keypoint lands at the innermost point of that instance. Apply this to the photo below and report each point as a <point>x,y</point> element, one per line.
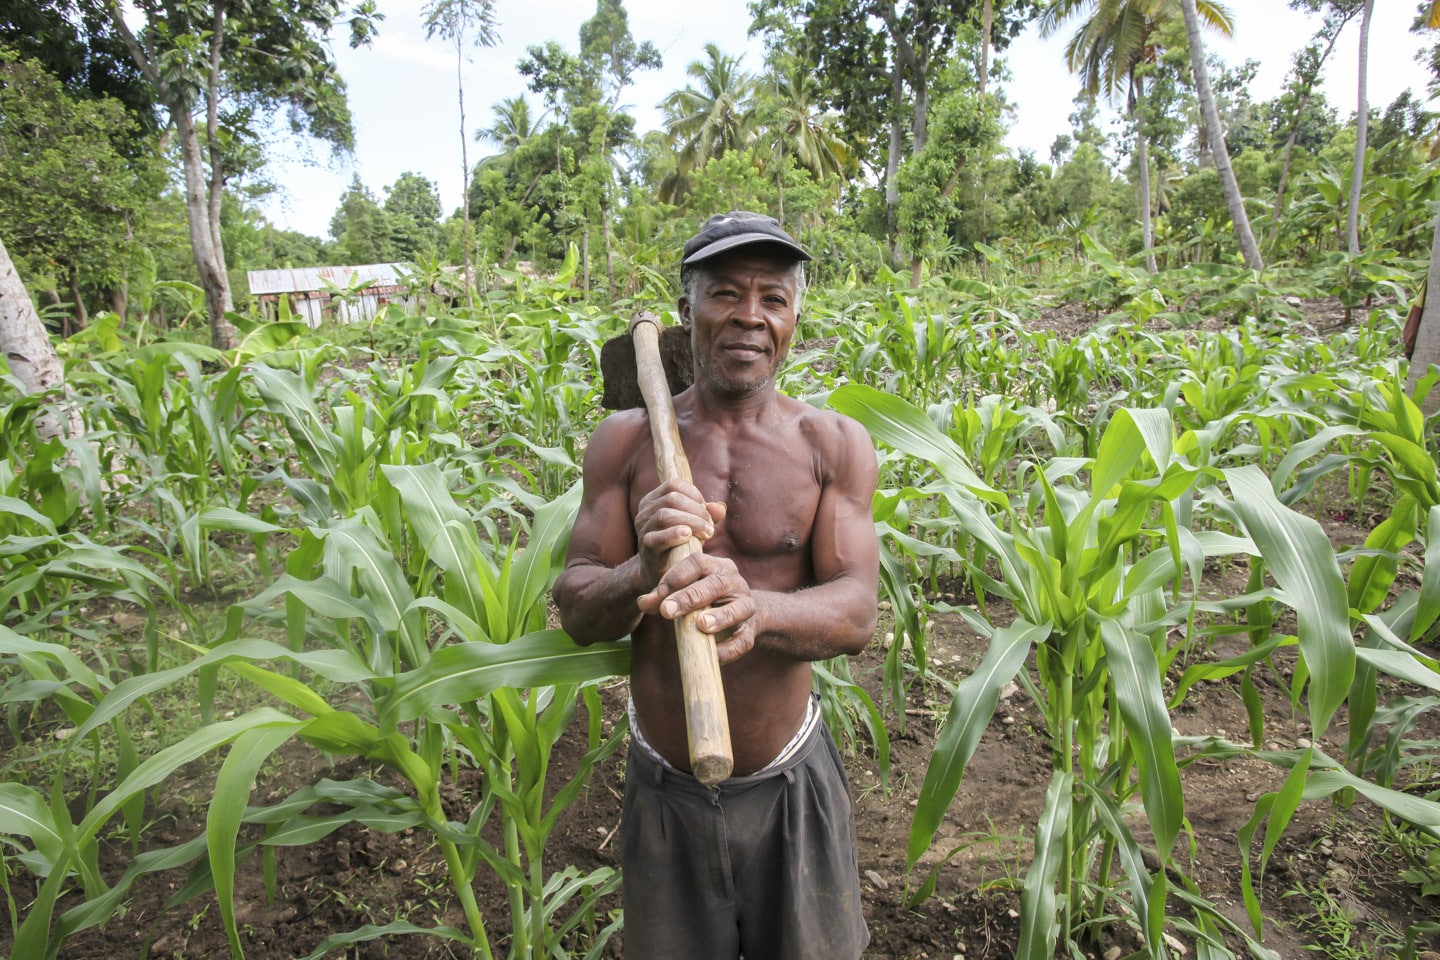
<point>741,320</point>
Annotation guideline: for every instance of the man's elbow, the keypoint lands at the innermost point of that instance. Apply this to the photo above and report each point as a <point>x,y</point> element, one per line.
<point>861,631</point>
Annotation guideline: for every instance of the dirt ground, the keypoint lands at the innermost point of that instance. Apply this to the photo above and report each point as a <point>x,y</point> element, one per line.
<point>356,876</point>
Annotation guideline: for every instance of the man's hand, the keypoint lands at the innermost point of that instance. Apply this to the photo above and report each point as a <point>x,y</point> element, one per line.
<point>668,516</point>
<point>701,581</point>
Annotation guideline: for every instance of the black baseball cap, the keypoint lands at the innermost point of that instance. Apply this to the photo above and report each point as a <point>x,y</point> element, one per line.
<point>726,231</point>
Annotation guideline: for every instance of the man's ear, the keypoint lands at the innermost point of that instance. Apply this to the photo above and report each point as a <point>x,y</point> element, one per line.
<point>684,305</point>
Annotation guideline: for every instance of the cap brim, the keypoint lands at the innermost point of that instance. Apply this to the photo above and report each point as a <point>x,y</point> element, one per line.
<point>745,239</point>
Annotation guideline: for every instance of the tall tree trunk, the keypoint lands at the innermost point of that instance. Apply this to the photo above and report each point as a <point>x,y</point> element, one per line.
<point>1248,247</point>
<point>202,238</point>
<point>28,350</point>
<point>605,234</point>
<point>82,316</point>
<point>987,29</point>
<point>212,138</point>
<point>920,118</point>
<point>892,162</point>
<point>1427,338</point>
<point>202,196</point>
<point>1362,130</point>
<point>585,258</point>
<point>1142,157</point>
<point>780,197</point>
<point>467,241</point>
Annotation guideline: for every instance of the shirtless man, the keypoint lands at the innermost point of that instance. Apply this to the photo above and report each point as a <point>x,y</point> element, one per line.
<point>763,865</point>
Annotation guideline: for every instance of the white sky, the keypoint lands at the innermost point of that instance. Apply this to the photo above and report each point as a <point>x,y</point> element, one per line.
<point>403,87</point>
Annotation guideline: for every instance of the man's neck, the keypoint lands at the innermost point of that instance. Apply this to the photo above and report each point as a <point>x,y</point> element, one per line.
<point>727,409</point>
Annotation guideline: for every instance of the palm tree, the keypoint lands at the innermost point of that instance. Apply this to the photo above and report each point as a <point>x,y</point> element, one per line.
<point>454,20</point>
<point>512,126</point>
<point>1362,125</point>
<point>1114,39</point>
<point>1248,247</point>
<point>800,129</point>
<point>716,117</point>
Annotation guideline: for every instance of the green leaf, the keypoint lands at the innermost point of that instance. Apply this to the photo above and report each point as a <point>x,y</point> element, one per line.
<point>1372,575</point>
<point>1137,679</point>
<point>1427,608</point>
<point>24,813</point>
<point>464,672</point>
<point>1132,860</point>
<point>1417,811</point>
<point>372,932</point>
<point>159,766</point>
<point>227,808</point>
<point>965,722</point>
<point>1302,561</point>
<point>445,531</point>
<point>335,665</point>
<point>893,421</point>
<point>1039,923</point>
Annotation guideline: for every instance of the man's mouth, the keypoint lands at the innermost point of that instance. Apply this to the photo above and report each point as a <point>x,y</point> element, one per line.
<point>744,351</point>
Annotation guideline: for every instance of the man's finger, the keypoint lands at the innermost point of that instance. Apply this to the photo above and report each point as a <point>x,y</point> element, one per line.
<point>707,591</point>
<point>728,616</point>
<point>741,642</point>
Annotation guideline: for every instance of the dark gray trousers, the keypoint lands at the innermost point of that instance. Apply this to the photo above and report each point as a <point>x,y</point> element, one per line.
<point>762,867</point>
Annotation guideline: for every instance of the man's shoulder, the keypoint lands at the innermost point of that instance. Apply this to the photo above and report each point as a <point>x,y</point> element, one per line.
<point>822,423</point>
<point>617,437</point>
<point>622,422</point>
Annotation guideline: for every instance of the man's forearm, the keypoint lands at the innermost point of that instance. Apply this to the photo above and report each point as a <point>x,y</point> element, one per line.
<point>817,623</point>
<point>597,603</point>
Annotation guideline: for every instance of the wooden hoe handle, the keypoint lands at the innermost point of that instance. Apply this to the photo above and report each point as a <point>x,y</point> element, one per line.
<point>706,721</point>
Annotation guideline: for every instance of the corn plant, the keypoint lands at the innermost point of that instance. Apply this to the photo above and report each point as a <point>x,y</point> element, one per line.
<point>423,704</point>
<point>1095,606</point>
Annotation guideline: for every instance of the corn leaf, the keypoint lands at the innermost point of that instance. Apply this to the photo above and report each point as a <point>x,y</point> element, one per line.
<point>373,932</point>
<point>156,768</point>
<point>1039,923</point>
<point>1303,564</point>
<point>1137,679</point>
<point>901,425</point>
<point>227,807</point>
<point>1427,607</point>
<point>24,813</point>
<point>1372,574</point>
<point>970,712</point>
<point>464,672</point>
<point>334,665</point>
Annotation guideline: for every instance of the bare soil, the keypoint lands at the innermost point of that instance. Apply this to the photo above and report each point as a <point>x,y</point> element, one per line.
<point>357,876</point>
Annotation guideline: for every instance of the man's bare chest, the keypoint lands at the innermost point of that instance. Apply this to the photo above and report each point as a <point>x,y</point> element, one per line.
<point>769,485</point>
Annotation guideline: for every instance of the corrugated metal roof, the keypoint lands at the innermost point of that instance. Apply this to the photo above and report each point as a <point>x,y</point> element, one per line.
<point>317,278</point>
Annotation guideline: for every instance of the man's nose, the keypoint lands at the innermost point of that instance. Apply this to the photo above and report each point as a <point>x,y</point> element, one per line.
<point>748,312</point>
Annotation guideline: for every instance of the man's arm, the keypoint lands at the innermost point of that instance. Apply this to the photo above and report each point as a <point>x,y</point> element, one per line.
<point>614,559</point>
<point>835,616</point>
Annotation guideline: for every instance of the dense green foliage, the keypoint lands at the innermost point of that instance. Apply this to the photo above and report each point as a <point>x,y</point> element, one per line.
<point>916,185</point>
